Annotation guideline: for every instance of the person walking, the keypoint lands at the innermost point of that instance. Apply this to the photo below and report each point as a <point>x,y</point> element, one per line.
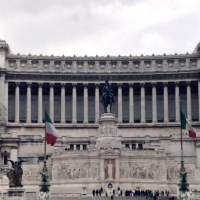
<point>93,192</point>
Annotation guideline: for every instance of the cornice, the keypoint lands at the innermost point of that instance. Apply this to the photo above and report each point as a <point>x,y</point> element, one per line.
<point>101,76</point>
<point>102,66</point>
<point>106,58</point>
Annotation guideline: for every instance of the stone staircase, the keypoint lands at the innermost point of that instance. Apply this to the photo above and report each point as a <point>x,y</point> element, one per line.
<point>90,198</point>
<point>107,198</point>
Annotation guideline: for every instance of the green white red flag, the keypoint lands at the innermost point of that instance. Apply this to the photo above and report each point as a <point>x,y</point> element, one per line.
<point>51,133</point>
<point>185,125</point>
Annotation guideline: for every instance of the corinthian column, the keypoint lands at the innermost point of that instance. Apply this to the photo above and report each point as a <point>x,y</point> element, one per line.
<point>51,109</point>
<point>177,99</point>
<point>143,117</point>
<point>131,103</point>
<point>154,103</point>
<point>85,103</point>
<point>28,104</point>
<point>119,102</point>
<point>74,119</point>
<point>189,105</point>
<point>166,112</point>
<point>40,103</point>
<point>96,102</point>
<point>17,102</point>
<point>63,103</point>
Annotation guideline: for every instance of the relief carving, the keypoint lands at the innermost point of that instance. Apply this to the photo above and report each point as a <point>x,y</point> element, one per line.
<point>142,171</point>
<point>76,171</point>
<point>33,174</point>
<point>173,173</point>
<point>107,129</point>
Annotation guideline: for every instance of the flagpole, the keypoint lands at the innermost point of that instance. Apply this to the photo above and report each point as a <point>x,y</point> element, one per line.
<point>182,182</point>
<point>45,184</point>
<point>181,133</point>
<point>182,162</point>
<point>45,137</point>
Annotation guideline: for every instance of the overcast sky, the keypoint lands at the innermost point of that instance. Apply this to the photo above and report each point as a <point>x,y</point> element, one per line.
<point>100,27</point>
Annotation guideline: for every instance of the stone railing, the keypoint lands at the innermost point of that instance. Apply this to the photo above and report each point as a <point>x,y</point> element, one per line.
<point>125,65</point>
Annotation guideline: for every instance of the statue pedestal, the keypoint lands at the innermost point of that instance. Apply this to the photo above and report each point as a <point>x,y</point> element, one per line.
<point>84,192</point>
<point>107,132</point>
<point>16,193</point>
<point>196,195</point>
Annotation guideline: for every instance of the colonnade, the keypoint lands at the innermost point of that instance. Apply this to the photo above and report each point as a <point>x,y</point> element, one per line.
<point>97,100</point>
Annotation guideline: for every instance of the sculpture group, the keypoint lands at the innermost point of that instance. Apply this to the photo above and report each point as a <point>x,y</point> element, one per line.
<point>15,174</point>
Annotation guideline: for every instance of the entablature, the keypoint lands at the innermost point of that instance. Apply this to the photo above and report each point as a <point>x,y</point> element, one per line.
<point>115,77</point>
<point>100,65</point>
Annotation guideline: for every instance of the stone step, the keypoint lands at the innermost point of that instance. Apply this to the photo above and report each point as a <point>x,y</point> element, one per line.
<point>107,198</point>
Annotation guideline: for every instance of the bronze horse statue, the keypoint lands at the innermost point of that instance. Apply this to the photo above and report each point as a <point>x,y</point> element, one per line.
<point>107,97</point>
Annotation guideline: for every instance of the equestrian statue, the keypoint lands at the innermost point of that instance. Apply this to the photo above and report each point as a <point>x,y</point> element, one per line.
<point>107,97</point>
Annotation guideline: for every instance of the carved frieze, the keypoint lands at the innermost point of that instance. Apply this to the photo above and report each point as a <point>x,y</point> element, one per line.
<point>107,129</point>
<point>143,170</point>
<point>173,173</point>
<point>98,74</point>
<point>33,173</point>
<point>76,171</point>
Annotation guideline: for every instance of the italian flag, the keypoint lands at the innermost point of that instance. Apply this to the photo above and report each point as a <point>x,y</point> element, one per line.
<point>185,124</point>
<point>51,133</point>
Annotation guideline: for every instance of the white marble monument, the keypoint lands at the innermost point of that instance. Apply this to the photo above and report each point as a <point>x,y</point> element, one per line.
<point>136,147</point>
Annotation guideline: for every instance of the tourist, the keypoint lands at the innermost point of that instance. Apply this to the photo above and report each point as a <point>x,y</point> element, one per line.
<point>100,192</point>
<point>93,192</point>
<point>97,192</point>
<point>146,194</point>
<point>118,192</point>
<point>114,192</point>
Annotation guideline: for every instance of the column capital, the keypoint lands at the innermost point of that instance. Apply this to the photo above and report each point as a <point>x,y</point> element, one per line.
<point>131,84</point>
<point>74,84</point>
<point>63,84</point>
<point>3,75</point>
<point>165,83</point>
<point>85,84</point>
<point>188,83</point>
<point>153,84</point>
<point>17,83</point>
<point>119,84</point>
<point>51,84</point>
<point>29,84</point>
<point>40,84</point>
<point>96,84</point>
<point>176,83</point>
<point>142,84</point>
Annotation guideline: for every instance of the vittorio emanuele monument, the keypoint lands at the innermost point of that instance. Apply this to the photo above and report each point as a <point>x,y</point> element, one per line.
<point>135,146</point>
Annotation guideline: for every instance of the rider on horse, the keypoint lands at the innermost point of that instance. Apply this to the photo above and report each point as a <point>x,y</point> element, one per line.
<point>105,88</point>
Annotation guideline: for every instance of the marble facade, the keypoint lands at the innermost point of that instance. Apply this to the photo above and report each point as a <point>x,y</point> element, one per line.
<point>138,146</point>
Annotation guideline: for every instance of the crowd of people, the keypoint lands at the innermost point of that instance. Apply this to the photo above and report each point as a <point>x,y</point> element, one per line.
<point>98,192</point>
<point>147,193</point>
